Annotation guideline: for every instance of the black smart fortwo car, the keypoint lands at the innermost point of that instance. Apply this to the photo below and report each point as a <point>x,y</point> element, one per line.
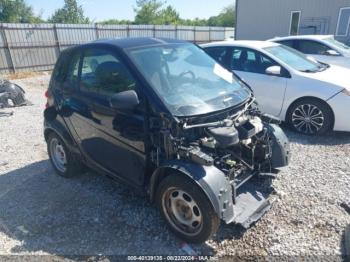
<point>164,117</point>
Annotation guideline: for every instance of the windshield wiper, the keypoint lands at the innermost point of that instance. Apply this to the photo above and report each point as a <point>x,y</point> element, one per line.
<point>309,71</point>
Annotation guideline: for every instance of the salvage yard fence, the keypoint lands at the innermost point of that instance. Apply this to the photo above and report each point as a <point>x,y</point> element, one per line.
<point>36,47</point>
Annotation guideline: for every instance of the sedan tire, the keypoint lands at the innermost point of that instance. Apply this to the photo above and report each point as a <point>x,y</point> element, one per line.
<point>310,117</point>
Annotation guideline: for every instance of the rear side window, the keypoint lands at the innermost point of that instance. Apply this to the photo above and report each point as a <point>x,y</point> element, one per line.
<point>102,72</point>
<point>311,47</point>
<point>60,69</point>
<point>67,68</point>
<point>289,43</point>
<point>72,76</point>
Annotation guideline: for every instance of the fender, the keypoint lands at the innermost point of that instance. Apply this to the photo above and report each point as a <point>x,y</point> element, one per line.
<point>280,147</point>
<point>211,180</point>
<point>60,129</point>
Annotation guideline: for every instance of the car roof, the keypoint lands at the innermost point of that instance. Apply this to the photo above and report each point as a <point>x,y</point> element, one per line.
<point>242,43</point>
<point>312,37</point>
<point>132,42</point>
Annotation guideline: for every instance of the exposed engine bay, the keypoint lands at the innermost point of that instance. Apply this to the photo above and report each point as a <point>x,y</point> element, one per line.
<point>239,145</point>
<point>242,144</point>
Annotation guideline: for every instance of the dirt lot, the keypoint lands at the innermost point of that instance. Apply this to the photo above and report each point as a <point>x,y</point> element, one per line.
<point>41,213</point>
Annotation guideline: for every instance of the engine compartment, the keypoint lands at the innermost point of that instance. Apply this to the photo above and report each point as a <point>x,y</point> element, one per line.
<point>240,143</point>
<point>238,149</point>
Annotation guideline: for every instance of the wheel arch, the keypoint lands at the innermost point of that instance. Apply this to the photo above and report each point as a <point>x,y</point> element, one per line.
<point>312,98</point>
<point>211,181</point>
<point>57,128</point>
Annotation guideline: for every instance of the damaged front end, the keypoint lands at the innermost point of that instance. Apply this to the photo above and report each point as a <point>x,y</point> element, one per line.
<point>222,153</point>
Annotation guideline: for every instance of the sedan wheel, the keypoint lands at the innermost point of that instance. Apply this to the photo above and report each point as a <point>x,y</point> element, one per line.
<point>310,116</point>
<point>308,119</point>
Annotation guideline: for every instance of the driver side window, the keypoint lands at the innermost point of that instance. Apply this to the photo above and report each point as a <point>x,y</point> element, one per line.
<point>103,73</point>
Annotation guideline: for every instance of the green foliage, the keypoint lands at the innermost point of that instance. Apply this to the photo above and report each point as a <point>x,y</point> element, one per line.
<point>226,18</point>
<point>168,16</point>
<point>194,22</point>
<point>147,11</point>
<point>70,13</point>
<point>116,22</point>
<point>153,12</point>
<point>16,11</point>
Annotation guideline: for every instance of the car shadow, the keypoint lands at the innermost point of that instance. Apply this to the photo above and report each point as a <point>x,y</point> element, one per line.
<point>332,138</point>
<point>84,216</point>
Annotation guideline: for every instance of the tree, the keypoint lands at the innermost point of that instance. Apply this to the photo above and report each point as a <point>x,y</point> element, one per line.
<point>194,22</point>
<point>147,11</point>
<point>226,18</point>
<point>116,22</point>
<point>17,11</point>
<point>168,16</point>
<point>70,13</point>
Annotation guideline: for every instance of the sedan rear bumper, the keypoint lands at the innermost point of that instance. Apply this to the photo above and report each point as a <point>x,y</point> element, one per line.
<point>340,105</point>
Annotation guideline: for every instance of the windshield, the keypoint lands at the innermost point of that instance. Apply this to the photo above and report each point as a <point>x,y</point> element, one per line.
<point>336,43</point>
<point>295,59</point>
<point>188,80</point>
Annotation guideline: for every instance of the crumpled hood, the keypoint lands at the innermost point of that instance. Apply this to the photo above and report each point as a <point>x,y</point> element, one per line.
<point>334,76</point>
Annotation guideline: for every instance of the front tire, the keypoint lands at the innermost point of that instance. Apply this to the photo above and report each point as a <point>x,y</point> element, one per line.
<point>62,160</point>
<point>186,209</point>
<point>310,117</point>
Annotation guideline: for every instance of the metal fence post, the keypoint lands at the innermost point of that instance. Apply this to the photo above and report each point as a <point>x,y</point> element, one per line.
<point>176,32</point>
<point>57,41</point>
<point>127,30</point>
<point>194,34</point>
<point>96,31</point>
<point>154,31</point>
<point>9,58</point>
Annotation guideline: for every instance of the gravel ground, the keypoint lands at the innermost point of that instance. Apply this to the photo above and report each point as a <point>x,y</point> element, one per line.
<point>41,213</point>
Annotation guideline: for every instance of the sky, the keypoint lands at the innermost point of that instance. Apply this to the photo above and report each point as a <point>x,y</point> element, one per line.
<point>99,10</point>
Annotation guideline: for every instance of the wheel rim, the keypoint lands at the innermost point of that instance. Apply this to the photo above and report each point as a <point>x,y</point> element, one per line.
<point>182,211</point>
<point>308,119</point>
<point>58,155</point>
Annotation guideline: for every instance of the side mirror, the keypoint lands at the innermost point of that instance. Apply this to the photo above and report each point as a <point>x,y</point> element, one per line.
<point>125,100</point>
<point>331,53</point>
<point>273,70</point>
<point>312,59</point>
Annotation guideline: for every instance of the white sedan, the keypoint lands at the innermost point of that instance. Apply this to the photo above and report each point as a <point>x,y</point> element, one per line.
<point>311,97</point>
<point>323,48</point>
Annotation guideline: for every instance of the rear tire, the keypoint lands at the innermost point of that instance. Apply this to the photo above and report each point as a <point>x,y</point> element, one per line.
<point>310,117</point>
<point>186,209</point>
<point>62,160</point>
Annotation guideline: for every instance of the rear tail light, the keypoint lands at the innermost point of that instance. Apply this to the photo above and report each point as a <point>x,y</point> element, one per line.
<point>49,99</point>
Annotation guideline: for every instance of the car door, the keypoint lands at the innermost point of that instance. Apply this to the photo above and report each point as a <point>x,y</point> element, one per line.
<point>112,139</point>
<point>269,90</point>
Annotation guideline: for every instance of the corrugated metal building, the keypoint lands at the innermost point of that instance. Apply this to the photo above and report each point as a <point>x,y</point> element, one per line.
<point>264,19</point>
